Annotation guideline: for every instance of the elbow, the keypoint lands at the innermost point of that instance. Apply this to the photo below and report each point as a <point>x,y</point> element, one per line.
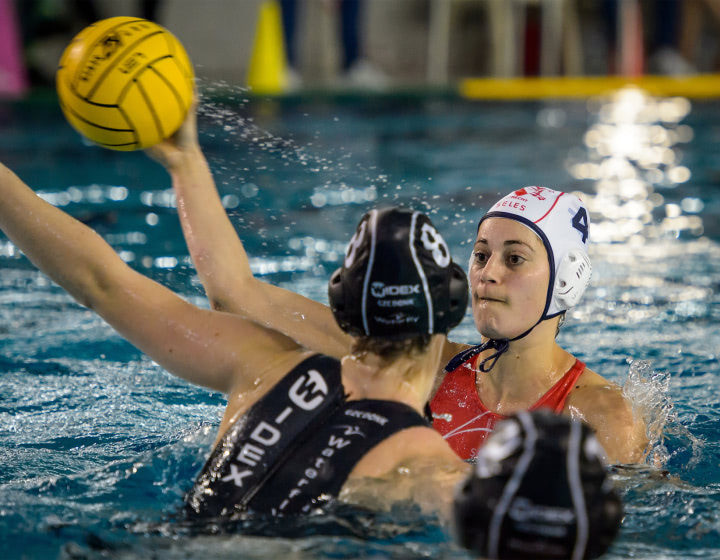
<point>218,298</point>
<point>235,295</point>
<point>86,300</point>
<point>97,288</point>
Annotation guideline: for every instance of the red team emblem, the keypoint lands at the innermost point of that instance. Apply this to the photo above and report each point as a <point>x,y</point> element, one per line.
<point>532,191</point>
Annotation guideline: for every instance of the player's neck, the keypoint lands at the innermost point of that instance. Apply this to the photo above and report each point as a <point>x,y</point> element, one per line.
<point>407,379</point>
<point>529,368</point>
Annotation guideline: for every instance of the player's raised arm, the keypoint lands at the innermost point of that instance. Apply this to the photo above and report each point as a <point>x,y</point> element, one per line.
<point>202,346</point>
<point>220,257</point>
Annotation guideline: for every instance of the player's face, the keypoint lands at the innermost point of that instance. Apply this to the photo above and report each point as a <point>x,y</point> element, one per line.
<point>509,277</point>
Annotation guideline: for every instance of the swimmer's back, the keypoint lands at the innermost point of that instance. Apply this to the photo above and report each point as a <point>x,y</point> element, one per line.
<point>303,440</point>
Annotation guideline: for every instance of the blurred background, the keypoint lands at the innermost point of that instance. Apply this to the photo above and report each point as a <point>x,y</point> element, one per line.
<point>313,112</point>
<point>287,46</point>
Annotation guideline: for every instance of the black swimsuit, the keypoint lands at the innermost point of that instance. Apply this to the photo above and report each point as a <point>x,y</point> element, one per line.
<point>296,446</point>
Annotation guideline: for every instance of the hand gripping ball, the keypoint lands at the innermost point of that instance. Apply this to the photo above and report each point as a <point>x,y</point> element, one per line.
<point>125,83</point>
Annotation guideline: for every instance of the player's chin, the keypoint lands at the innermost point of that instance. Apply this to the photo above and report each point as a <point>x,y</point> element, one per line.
<point>497,325</point>
<point>488,325</point>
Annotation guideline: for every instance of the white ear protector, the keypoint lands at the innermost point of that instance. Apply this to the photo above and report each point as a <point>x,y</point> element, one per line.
<point>572,278</point>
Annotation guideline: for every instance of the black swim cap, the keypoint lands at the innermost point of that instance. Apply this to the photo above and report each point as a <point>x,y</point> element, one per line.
<point>398,279</point>
<point>539,490</point>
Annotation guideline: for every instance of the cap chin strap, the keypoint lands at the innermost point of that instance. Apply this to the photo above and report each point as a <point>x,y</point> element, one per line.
<point>501,345</point>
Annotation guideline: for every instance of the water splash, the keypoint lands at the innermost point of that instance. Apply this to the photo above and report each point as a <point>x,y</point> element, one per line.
<point>234,127</point>
<point>648,391</point>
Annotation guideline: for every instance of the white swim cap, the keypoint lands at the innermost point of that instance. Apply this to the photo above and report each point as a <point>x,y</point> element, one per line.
<point>562,223</point>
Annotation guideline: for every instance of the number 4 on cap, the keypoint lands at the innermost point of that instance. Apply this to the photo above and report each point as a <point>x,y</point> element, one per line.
<point>580,223</point>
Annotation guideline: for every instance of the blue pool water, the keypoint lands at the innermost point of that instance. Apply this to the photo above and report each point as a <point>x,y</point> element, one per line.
<point>98,444</point>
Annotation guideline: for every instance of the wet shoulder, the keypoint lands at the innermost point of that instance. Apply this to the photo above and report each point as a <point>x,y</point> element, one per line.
<point>415,465</point>
<point>419,444</point>
<point>602,404</point>
<point>593,391</point>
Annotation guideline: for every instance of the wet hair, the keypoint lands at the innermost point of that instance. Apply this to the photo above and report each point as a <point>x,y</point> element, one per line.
<point>561,322</point>
<point>389,349</point>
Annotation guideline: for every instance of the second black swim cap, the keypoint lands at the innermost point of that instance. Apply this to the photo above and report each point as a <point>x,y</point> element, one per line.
<point>540,491</point>
<point>398,279</point>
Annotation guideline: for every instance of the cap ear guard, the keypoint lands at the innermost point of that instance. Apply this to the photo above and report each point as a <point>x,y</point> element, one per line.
<point>572,278</point>
<point>459,292</point>
<point>339,305</point>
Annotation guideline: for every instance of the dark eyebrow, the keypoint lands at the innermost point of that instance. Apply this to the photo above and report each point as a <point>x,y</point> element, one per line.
<point>507,243</point>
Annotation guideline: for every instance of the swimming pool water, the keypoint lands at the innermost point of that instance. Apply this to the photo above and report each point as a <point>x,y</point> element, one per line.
<point>98,444</point>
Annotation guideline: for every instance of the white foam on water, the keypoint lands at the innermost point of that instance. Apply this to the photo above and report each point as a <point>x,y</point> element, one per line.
<point>648,391</point>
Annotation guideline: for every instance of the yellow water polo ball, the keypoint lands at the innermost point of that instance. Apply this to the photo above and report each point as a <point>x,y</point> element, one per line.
<point>125,83</point>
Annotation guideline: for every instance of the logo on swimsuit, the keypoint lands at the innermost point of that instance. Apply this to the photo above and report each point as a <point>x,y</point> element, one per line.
<point>351,430</point>
<point>311,386</point>
<point>334,444</point>
<point>372,416</point>
<point>307,393</point>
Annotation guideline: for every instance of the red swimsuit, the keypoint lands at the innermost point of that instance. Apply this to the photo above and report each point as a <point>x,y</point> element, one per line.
<point>464,421</point>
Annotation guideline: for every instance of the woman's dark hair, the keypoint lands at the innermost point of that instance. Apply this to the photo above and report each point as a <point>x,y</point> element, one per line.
<point>561,322</point>
<point>390,349</point>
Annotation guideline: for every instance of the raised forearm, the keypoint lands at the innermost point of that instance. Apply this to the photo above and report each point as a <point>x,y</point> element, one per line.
<point>217,252</point>
<point>224,268</point>
<point>625,444</point>
<point>620,431</point>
